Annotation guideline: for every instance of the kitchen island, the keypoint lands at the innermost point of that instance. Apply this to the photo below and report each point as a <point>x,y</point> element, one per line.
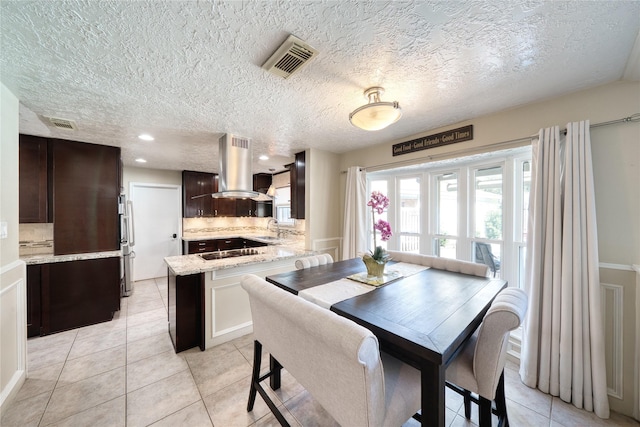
<point>207,306</point>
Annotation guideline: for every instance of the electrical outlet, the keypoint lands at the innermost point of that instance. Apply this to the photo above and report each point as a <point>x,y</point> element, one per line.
<point>4,233</point>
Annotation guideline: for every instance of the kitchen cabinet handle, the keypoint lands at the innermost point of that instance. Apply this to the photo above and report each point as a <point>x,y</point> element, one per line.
<point>132,232</point>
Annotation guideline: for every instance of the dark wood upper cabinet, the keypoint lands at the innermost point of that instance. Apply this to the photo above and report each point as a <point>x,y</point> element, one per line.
<point>198,184</point>
<point>262,182</point>
<point>33,180</point>
<point>223,206</point>
<point>245,207</point>
<point>85,197</point>
<point>298,186</point>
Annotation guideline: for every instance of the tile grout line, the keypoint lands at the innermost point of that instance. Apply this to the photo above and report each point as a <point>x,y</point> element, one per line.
<point>190,373</point>
<point>75,339</point>
<point>58,379</point>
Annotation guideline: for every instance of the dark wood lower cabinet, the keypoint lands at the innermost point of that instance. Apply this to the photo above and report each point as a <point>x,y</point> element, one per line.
<point>34,301</point>
<point>212,245</point>
<point>186,311</point>
<point>72,294</point>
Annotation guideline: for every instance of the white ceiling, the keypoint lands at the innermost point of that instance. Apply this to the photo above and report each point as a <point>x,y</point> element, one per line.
<point>187,72</point>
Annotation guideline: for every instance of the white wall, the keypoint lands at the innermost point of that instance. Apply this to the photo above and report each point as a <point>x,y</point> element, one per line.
<point>616,163</point>
<point>322,201</point>
<point>149,176</point>
<point>616,153</point>
<point>13,334</point>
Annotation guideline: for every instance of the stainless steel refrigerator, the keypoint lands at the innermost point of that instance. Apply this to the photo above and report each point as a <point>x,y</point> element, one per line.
<point>127,242</point>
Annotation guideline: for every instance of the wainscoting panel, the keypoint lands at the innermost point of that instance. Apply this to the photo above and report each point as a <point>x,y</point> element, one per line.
<point>13,329</point>
<point>611,298</point>
<point>619,294</point>
<point>636,386</point>
<point>331,246</point>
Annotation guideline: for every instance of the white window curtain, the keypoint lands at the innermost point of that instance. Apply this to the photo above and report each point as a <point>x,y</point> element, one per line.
<point>563,340</point>
<point>354,240</point>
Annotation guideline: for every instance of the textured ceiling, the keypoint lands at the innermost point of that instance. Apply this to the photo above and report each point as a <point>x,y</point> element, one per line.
<point>187,72</point>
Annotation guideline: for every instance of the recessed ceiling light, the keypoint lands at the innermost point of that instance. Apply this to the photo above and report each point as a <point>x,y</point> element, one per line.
<point>141,160</point>
<point>146,137</point>
<point>264,157</point>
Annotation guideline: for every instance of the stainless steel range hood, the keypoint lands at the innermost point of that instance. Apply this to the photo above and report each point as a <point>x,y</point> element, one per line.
<point>235,158</point>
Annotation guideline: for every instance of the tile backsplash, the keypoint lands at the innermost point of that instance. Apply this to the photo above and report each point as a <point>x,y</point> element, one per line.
<point>35,239</point>
<point>192,227</point>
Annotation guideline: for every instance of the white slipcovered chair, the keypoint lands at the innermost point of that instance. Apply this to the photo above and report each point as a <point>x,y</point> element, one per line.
<point>439,263</point>
<point>335,359</point>
<point>313,261</point>
<point>479,367</point>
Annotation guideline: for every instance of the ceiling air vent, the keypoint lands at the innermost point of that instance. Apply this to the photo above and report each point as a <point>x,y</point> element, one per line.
<point>63,123</point>
<point>289,57</point>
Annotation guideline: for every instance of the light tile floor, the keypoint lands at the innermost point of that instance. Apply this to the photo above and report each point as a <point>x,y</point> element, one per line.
<point>126,373</point>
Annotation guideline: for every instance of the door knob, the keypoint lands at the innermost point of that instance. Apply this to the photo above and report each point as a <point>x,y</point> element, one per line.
<point>174,235</point>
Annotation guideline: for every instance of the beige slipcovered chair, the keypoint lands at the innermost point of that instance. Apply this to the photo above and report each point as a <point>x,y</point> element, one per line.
<point>335,359</point>
<point>479,367</point>
<point>313,261</point>
<point>439,263</point>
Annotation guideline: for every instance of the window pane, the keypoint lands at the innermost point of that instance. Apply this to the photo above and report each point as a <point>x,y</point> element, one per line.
<point>488,203</point>
<point>381,186</point>
<point>488,254</point>
<point>526,186</point>
<point>445,248</point>
<point>282,201</point>
<point>410,243</point>
<point>410,205</point>
<point>447,202</point>
<point>522,256</point>
<point>283,214</point>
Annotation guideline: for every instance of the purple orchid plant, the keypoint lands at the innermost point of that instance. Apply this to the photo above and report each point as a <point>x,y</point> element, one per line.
<point>379,202</point>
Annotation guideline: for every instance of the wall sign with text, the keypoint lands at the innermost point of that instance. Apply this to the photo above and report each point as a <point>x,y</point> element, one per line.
<point>452,136</point>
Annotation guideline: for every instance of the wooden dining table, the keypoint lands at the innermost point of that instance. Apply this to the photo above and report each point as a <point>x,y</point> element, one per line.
<point>422,319</point>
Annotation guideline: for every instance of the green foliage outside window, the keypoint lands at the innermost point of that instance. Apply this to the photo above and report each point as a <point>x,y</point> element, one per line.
<point>493,225</point>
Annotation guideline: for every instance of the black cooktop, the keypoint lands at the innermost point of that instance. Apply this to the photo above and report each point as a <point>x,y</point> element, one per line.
<point>229,254</point>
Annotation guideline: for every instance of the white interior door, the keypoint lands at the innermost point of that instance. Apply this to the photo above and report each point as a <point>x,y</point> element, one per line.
<point>157,219</point>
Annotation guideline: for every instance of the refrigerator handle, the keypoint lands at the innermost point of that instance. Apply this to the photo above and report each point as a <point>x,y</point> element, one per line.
<point>132,230</point>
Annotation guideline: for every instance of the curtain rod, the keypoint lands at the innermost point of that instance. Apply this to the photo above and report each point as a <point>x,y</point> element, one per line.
<point>508,144</point>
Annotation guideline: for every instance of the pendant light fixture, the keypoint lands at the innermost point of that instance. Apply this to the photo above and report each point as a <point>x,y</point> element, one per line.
<point>376,114</point>
<point>272,189</point>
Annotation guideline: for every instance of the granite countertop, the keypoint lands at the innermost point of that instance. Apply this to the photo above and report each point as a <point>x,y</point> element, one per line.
<point>193,264</point>
<point>50,258</point>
